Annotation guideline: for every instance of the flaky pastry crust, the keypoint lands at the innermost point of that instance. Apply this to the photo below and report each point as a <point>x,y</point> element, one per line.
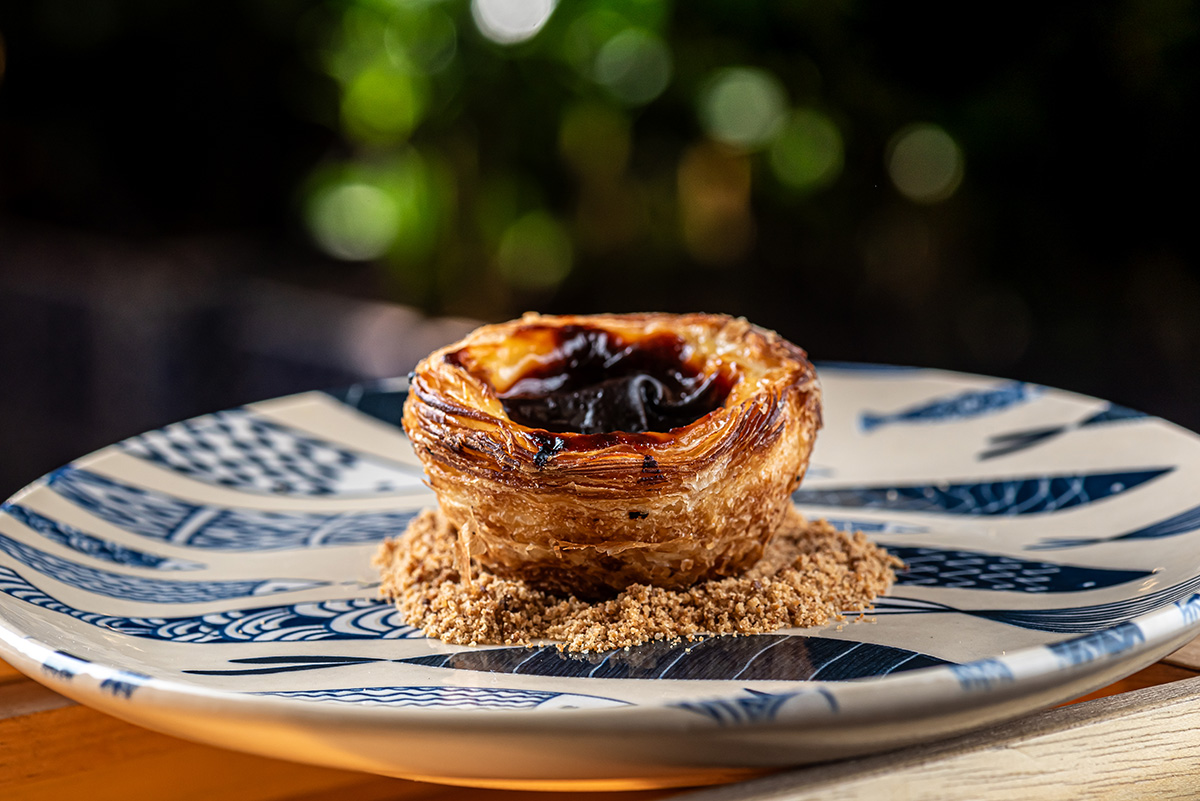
<point>587,513</point>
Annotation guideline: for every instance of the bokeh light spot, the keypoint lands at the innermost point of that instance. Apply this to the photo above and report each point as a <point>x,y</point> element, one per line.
<point>925,163</point>
<point>356,44</point>
<point>808,153</point>
<point>354,221</point>
<point>743,106</point>
<point>634,65</point>
<point>714,204</point>
<point>535,252</point>
<point>595,140</point>
<point>381,105</point>
<point>414,187</point>
<point>587,34</point>
<point>511,21</point>
<point>425,38</point>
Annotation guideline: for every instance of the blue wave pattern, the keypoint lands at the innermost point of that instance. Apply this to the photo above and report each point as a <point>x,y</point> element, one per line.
<point>450,697</point>
<point>963,406</point>
<point>1182,523</point>
<point>236,449</point>
<point>1016,441</point>
<point>354,619</point>
<point>931,567</point>
<point>1013,496</point>
<point>147,590</point>
<point>761,657</point>
<point>159,516</point>
<point>95,547</point>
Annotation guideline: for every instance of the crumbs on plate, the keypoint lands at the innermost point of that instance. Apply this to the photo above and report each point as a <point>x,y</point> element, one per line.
<point>810,574</point>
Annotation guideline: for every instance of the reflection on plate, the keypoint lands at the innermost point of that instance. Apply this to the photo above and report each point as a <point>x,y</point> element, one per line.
<point>212,580</point>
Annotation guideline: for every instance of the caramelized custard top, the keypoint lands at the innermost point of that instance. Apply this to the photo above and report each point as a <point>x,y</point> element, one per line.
<point>595,382</point>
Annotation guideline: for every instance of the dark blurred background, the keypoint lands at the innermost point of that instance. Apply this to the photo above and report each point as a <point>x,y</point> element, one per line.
<point>204,204</point>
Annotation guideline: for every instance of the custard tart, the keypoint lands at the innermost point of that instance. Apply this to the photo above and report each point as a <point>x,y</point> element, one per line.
<point>584,454</point>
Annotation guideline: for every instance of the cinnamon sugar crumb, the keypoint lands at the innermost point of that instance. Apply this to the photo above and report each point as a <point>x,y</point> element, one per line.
<point>810,574</point>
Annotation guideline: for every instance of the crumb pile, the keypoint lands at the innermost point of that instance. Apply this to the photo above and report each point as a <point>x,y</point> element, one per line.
<point>810,574</point>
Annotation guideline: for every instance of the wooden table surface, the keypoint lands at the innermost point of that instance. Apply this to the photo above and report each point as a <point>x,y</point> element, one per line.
<point>1139,737</point>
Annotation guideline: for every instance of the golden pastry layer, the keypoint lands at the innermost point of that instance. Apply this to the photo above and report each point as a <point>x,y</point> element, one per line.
<point>585,513</point>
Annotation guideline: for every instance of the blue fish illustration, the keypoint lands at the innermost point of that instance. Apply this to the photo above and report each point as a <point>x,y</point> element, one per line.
<point>965,405</point>
<point>95,547</point>
<point>1066,620</point>
<point>931,567</point>
<point>762,657</point>
<point>759,657</point>
<point>139,588</point>
<point>156,515</point>
<point>270,665</point>
<point>1016,441</point>
<point>1011,496</point>
<point>1182,523</point>
<point>347,619</point>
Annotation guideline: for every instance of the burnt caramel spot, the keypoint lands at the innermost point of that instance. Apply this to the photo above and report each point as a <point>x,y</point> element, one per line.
<point>547,447</point>
<point>651,472</point>
<point>596,384</point>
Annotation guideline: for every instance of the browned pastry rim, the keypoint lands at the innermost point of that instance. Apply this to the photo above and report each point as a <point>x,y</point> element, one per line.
<point>581,513</point>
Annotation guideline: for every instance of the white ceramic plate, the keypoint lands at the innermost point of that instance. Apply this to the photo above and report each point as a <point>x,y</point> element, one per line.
<point>211,580</point>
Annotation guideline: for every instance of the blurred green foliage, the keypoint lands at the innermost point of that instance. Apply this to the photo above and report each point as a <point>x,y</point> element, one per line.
<point>495,146</point>
<point>991,188</point>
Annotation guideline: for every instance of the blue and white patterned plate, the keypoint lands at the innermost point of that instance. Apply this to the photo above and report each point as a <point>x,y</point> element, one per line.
<point>212,580</point>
